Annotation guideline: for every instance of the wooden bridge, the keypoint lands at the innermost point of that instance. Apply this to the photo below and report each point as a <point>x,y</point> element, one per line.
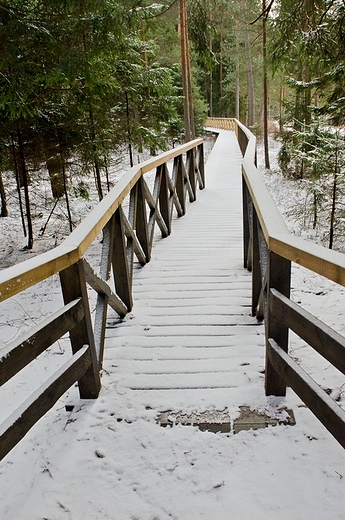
<point>196,332</point>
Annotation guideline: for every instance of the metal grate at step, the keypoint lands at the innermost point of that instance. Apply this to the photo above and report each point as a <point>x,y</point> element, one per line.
<point>219,421</point>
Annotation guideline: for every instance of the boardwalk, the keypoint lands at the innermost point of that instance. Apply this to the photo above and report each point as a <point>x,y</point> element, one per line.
<point>190,336</point>
<point>189,344</point>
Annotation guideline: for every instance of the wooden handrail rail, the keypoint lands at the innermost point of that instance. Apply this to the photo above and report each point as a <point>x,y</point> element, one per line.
<point>328,263</point>
<point>26,274</point>
<point>269,249</point>
<point>124,238</point>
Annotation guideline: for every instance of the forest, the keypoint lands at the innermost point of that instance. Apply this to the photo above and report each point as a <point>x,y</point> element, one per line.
<point>83,83</point>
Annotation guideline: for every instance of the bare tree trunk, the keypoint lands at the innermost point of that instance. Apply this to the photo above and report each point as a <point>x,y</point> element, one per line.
<point>95,155</point>
<point>250,78</point>
<point>265,105</point>
<point>221,63</point>
<point>16,171</point>
<point>185,71</point>
<point>334,199</point>
<point>129,133</point>
<point>26,190</point>
<point>211,84</point>
<point>281,105</point>
<point>4,211</point>
<point>237,83</point>
<point>65,189</point>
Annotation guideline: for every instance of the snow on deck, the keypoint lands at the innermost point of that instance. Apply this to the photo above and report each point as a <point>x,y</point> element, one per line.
<point>189,344</point>
<point>190,340</point>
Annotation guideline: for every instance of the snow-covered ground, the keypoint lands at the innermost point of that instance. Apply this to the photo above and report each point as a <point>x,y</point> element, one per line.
<point>108,459</point>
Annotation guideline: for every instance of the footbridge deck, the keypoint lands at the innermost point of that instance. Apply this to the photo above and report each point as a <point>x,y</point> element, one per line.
<point>190,339</point>
<point>179,332</point>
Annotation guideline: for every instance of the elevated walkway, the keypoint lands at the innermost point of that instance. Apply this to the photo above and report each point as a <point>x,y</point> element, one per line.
<point>189,344</point>
<point>190,340</point>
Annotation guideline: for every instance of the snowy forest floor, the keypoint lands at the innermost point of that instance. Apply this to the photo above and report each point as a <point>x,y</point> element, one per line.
<point>108,459</point>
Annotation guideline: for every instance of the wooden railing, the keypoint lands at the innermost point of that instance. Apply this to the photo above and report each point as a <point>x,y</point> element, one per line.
<point>269,249</point>
<point>126,235</point>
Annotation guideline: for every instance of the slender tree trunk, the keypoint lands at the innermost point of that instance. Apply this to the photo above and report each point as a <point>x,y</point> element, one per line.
<point>334,199</point>
<point>211,84</point>
<point>4,211</point>
<point>221,64</point>
<point>65,189</point>
<point>250,78</point>
<point>314,210</point>
<point>265,105</point>
<point>16,171</point>
<point>281,105</point>
<point>95,155</point>
<point>190,90</point>
<point>129,132</point>
<point>237,83</point>
<point>26,190</point>
<point>185,71</point>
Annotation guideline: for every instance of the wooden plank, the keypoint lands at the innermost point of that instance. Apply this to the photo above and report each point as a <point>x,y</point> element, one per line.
<point>154,215</point>
<point>328,263</point>
<point>101,287</point>
<point>320,403</point>
<point>320,336</point>
<point>19,353</point>
<point>186,181</point>
<point>136,245</point>
<point>13,429</point>
<point>174,200</point>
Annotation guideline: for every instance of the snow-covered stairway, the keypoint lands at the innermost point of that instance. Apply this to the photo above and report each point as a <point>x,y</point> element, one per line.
<point>190,340</point>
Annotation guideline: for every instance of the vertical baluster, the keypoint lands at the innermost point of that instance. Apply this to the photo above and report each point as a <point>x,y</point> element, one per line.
<point>73,286</point>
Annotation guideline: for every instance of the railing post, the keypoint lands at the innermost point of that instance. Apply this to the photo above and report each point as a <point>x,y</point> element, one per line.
<point>279,277</point>
<point>121,270</point>
<point>246,222</point>
<point>201,164</point>
<point>73,285</point>
<point>191,173</point>
<point>256,263</point>
<point>141,225</point>
<point>179,182</point>
<point>164,196</point>
<point>102,299</point>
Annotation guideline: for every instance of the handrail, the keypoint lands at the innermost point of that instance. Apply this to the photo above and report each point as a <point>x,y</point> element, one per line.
<point>269,249</point>
<point>25,274</point>
<point>124,238</point>
<point>321,260</point>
